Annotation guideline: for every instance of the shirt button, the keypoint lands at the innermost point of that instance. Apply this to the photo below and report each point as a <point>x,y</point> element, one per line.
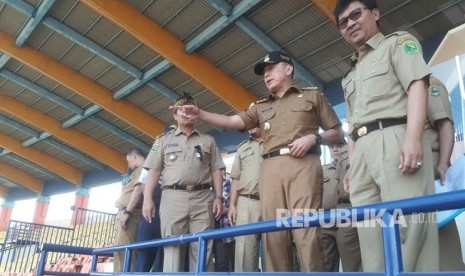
<point>282,123</point>
<point>282,110</point>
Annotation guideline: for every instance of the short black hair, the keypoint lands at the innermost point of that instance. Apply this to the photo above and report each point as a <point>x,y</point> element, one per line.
<point>136,151</point>
<point>185,99</point>
<point>343,4</point>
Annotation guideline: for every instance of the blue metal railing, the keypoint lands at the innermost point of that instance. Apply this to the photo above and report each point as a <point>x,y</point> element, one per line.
<point>391,241</point>
<point>23,240</point>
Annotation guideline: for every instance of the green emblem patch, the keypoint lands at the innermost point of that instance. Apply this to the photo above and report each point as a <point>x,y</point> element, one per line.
<point>155,147</point>
<point>433,90</point>
<point>411,48</point>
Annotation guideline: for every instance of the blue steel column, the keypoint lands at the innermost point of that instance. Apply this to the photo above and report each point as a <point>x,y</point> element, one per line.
<point>127,260</point>
<point>391,243</point>
<point>202,255</point>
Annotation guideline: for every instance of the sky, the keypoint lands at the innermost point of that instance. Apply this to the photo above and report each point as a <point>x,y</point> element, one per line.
<point>101,199</point>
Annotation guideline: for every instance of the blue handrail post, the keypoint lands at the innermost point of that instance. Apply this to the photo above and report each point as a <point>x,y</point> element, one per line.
<point>202,255</point>
<point>93,265</point>
<point>127,260</point>
<point>391,242</point>
<point>42,261</point>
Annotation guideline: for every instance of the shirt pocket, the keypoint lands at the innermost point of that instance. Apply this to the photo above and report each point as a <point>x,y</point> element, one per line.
<point>247,156</point>
<point>266,115</point>
<point>349,88</point>
<point>172,154</point>
<point>303,113</point>
<point>376,80</point>
<point>205,153</point>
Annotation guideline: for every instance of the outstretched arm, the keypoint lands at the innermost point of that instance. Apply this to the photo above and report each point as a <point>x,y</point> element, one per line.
<point>192,112</point>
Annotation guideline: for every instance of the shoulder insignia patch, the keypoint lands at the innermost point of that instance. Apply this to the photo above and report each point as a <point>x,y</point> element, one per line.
<point>155,147</point>
<point>411,47</point>
<point>433,89</point>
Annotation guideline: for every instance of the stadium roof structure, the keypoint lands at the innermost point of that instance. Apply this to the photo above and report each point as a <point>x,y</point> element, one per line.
<point>81,82</point>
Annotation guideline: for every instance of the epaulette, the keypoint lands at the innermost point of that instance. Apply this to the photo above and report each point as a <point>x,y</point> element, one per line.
<point>263,100</point>
<point>241,143</point>
<point>166,133</point>
<point>401,37</point>
<point>314,89</point>
<point>310,88</point>
<point>211,137</point>
<point>398,33</point>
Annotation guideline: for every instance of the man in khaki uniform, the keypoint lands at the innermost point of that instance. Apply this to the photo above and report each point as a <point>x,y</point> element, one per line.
<point>390,157</point>
<point>329,234</point>
<point>190,162</point>
<point>290,177</point>
<point>339,243</point>
<point>347,240</point>
<point>129,208</point>
<point>244,207</point>
<point>440,130</point>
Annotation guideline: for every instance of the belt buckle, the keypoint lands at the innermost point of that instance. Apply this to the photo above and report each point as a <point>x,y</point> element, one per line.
<point>284,151</point>
<point>362,131</point>
<point>189,188</point>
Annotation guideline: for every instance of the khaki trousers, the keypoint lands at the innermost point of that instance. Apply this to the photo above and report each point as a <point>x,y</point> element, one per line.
<point>376,178</point>
<point>349,245</point>
<point>291,183</point>
<point>183,212</point>
<point>330,249</point>
<point>246,252</point>
<point>125,237</point>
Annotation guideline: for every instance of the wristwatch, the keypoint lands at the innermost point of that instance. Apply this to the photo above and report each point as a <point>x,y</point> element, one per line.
<point>318,139</point>
<point>126,212</point>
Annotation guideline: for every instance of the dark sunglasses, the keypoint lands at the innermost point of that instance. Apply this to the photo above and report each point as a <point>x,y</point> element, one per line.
<point>354,15</point>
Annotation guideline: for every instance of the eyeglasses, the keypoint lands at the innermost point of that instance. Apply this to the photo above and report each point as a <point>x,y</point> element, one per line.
<point>354,15</point>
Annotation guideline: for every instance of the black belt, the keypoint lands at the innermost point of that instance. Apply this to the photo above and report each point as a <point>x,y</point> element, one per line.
<point>343,200</point>
<point>124,208</point>
<point>256,197</point>
<point>286,151</point>
<point>380,124</point>
<point>188,187</point>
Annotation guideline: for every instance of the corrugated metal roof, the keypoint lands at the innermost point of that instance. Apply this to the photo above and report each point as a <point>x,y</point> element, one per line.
<point>297,26</point>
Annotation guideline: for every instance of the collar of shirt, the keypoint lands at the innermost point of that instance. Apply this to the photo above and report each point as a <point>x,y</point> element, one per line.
<point>179,131</point>
<point>373,43</point>
<point>292,89</point>
<point>375,40</point>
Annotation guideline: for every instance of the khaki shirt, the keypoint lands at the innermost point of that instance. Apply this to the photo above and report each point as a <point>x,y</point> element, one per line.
<point>330,183</point>
<point>126,190</point>
<point>296,114</point>
<point>175,155</point>
<point>438,109</point>
<point>382,71</point>
<point>246,166</point>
